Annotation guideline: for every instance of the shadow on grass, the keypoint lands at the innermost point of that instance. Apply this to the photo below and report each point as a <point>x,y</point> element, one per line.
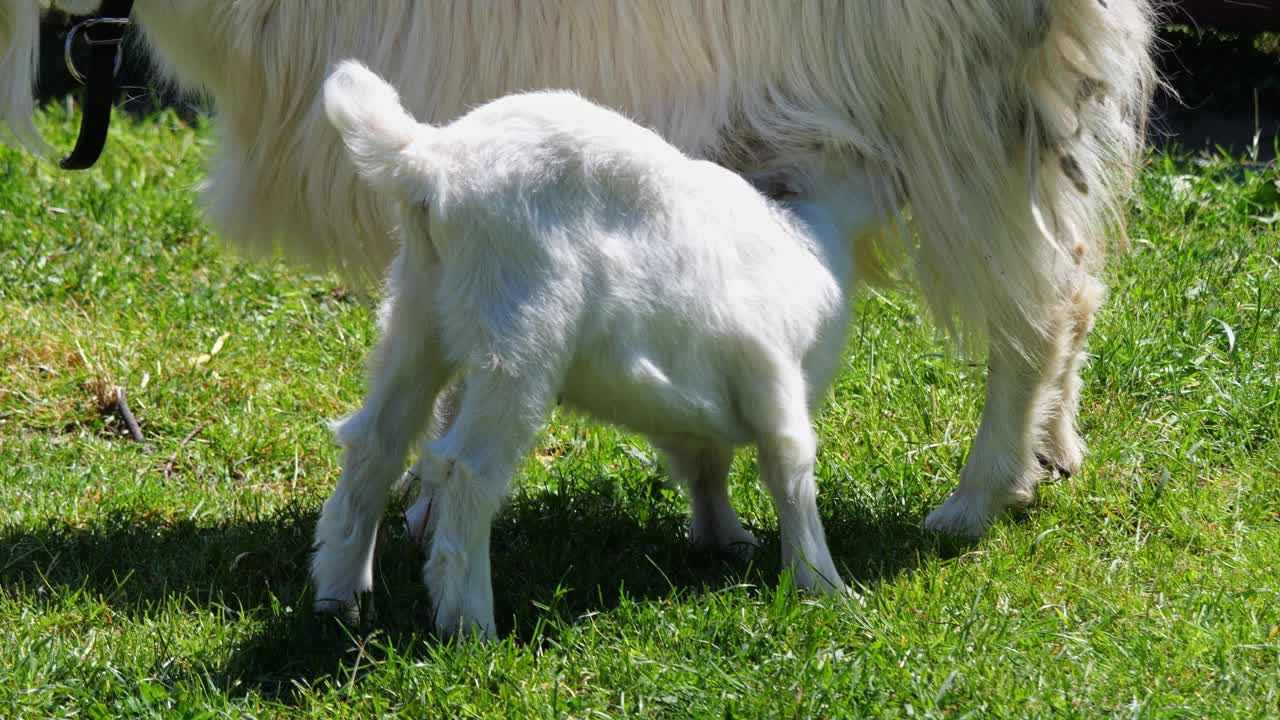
<point>556,558</point>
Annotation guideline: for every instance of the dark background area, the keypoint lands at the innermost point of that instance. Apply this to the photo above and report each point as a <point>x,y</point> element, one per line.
<point>1225,89</point>
<point>1223,72</point>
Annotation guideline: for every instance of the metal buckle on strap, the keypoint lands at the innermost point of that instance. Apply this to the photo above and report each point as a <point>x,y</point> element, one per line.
<point>115,38</point>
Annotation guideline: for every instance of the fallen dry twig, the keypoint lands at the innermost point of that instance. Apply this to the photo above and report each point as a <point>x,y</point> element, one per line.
<point>122,407</point>
<point>168,465</point>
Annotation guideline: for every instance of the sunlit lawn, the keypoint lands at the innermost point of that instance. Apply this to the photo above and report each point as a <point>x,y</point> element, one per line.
<point>135,586</point>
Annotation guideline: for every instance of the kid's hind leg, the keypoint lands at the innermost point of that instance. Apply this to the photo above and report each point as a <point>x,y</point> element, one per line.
<point>497,420</point>
<point>424,472</point>
<point>703,467</point>
<point>408,370</point>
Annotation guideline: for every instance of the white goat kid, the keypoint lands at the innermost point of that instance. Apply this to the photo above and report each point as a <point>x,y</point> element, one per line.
<point>1009,128</point>
<point>552,249</point>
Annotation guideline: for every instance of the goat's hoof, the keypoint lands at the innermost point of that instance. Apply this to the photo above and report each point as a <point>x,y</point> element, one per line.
<point>819,582</point>
<point>1061,451</point>
<point>962,515</point>
<point>461,628</point>
<point>1064,459</point>
<point>737,544</point>
<point>1057,469</point>
<point>741,551</point>
<point>350,613</point>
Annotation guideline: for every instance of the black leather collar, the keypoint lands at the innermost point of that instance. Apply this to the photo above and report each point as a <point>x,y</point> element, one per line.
<point>103,33</point>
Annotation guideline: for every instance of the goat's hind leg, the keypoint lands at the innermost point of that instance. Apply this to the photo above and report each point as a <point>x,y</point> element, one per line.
<point>408,370</point>
<point>1059,445</point>
<point>1024,369</point>
<point>499,414</point>
<point>425,473</point>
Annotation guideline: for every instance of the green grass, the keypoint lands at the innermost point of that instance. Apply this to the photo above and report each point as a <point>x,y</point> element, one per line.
<point>1145,587</point>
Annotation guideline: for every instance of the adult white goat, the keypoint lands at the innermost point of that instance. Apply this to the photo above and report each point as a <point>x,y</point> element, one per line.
<point>1008,128</point>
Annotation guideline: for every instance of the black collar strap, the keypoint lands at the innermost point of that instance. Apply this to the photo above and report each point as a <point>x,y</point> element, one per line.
<point>103,34</point>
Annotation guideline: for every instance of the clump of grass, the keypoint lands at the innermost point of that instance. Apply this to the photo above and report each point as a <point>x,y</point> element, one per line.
<point>103,393</point>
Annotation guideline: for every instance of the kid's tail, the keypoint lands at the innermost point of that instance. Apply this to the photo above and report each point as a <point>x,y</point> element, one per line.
<point>389,147</point>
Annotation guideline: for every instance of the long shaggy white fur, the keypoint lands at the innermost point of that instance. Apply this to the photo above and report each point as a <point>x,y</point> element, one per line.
<point>1007,128</point>
<point>552,250</point>
<point>18,62</point>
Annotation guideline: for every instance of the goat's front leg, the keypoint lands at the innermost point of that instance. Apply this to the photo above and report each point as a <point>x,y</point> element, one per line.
<point>788,450</point>
<point>470,469</point>
<point>703,468</point>
<point>786,466</point>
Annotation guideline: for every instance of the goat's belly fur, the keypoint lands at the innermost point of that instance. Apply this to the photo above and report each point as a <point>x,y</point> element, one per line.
<point>635,391</point>
<point>635,348</point>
